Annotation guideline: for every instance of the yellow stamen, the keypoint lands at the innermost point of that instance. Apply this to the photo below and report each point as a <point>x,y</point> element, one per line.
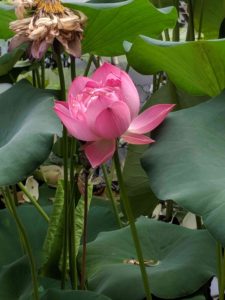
<point>50,6</point>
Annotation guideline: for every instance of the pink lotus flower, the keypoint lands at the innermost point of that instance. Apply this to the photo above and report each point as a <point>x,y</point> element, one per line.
<point>104,107</point>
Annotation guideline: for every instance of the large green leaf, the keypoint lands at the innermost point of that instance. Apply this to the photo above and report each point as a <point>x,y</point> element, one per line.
<point>7,15</point>
<point>106,1</point>
<point>168,93</point>
<point>11,249</point>
<point>196,67</point>
<point>57,294</point>
<point>100,218</point>
<point>14,266</point>
<point>8,60</point>
<point>184,261</point>
<point>212,16</point>
<point>141,197</point>
<point>111,23</point>
<point>27,126</point>
<point>17,272</point>
<point>9,238</point>
<point>187,162</point>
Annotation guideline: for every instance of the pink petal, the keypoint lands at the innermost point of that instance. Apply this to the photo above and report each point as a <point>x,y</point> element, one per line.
<point>130,94</point>
<point>98,105</point>
<point>38,48</point>
<point>78,85</point>
<point>150,118</point>
<point>17,40</point>
<point>76,127</point>
<point>101,73</point>
<point>100,151</point>
<point>111,75</point>
<point>137,139</point>
<point>64,105</point>
<point>112,121</point>
<point>73,46</point>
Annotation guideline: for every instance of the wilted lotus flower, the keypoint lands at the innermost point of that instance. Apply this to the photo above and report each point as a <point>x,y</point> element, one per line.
<point>105,107</point>
<point>21,6</point>
<point>51,20</point>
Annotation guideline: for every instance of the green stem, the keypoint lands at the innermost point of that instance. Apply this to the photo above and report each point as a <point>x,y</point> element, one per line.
<point>72,240</point>
<point>110,195</point>
<point>112,169</point>
<point>73,67</point>
<point>33,201</point>
<point>198,222</point>
<point>167,35</point>
<point>21,229</point>
<point>201,20</point>
<point>127,68</point>
<point>38,77</point>
<point>87,69</point>
<point>66,209</point>
<point>65,163</point>
<point>43,73</point>
<point>133,229</point>
<point>61,75</point>
<point>72,248</point>
<point>84,246</point>
<point>160,77</point>
<point>191,28</point>
<point>221,271</point>
<point>34,78</point>
<point>96,61</point>
<point>169,210</point>
<point>73,189</point>
<point>176,30</point>
<point>154,83</point>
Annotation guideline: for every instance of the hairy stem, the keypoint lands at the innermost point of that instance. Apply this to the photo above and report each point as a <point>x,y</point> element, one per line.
<point>110,196</point>
<point>221,271</point>
<point>133,228</point>
<point>84,246</point>
<point>12,209</point>
<point>87,69</point>
<point>73,67</point>
<point>33,201</point>
<point>201,20</point>
<point>191,28</point>
<point>72,232</point>
<point>65,163</point>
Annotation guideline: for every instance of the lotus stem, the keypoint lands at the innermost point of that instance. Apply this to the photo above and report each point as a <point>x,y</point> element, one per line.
<point>176,30</point>
<point>73,67</point>
<point>43,73</point>
<point>12,209</point>
<point>38,77</point>
<point>221,271</point>
<point>33,201</point>
<point>87,69</point>
<point>110,196</point>
<point>133,228</point>
<point>65,163</point>
<point>72,232</point>
<point>191,28</point>
<point>84,246</point>
<point>34,78</point>
<point>201,20</point>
